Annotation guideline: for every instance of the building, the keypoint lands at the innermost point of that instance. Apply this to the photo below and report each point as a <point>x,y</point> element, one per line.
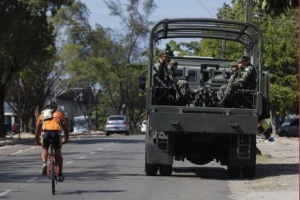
<point>10,117</point>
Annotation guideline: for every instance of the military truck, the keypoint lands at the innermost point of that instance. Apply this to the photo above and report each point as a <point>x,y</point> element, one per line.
<point>203,132</point>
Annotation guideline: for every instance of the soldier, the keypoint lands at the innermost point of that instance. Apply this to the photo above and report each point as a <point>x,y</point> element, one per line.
<point>233,70</point>
<point>160,67</point>
<point>246,73</point>
<point>171,68</point>
<point>182,86</point>
<point>245,78</point>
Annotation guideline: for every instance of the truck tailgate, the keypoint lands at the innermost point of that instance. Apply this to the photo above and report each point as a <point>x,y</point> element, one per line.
<point>204,120</point>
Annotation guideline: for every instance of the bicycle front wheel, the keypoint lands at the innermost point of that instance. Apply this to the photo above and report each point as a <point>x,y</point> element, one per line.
<point>52,176</point>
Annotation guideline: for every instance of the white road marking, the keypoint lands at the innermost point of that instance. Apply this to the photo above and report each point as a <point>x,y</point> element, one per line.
<point>69,162</point>
<point>106,146</point>
<point>99,149</point>
<point>19,151</point>
<point>111,143</point>
<point>82,157</point>
<point>4,193</point>
<point>92,152</point>
<point>29,149</point>
<point>32,179</point>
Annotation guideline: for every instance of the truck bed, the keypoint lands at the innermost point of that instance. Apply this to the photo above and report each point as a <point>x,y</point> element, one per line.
<point>203,120</point>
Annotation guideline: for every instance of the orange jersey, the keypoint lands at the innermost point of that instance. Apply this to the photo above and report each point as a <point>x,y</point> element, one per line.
<point>53,124</point>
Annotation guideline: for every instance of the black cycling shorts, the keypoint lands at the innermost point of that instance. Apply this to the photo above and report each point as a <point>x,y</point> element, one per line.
<point>49,137</point>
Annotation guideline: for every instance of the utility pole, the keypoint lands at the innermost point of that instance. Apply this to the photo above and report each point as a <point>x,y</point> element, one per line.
<point>248,14</point>
<point>223,41</point>
<point>248,17</point>
<point>19,106</point>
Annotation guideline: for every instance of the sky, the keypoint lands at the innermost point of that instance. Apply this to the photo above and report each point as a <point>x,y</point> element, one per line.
<point>165,9</point>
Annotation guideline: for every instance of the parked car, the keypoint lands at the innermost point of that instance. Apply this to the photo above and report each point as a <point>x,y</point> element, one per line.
<point>116,124</point>
<point>143,127</point>
<point>290,128</point>
<point>287,121</point>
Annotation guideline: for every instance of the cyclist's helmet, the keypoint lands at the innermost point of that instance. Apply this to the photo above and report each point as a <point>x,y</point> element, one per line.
<point>51,105</point>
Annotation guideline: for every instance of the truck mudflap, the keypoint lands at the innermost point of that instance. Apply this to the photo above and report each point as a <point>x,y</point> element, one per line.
<point>242,151</point>
<point>155,156</point>
<point>203,123</point>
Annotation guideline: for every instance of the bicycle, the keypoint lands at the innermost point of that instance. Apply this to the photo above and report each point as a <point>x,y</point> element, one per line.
<point>52,168</point>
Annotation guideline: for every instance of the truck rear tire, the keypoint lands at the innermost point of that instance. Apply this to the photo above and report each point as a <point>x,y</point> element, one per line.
<point>165,170</point>
<point>248,172</point>
<point>234,172</point>
<point>151,169</point>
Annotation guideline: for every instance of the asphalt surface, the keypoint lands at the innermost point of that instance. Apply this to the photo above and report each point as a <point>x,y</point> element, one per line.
<point>111,168</point>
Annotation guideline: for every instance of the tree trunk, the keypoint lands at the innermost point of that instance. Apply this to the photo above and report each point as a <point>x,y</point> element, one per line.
<point>2,117</point>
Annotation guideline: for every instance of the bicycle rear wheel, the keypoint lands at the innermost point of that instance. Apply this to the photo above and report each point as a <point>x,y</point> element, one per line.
<point>52,176</point>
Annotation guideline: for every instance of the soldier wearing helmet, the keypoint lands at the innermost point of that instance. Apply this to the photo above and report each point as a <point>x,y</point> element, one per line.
<point>245,78</point>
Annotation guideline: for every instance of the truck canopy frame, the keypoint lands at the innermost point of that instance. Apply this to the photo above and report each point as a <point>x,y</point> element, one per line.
<point>247,34</point>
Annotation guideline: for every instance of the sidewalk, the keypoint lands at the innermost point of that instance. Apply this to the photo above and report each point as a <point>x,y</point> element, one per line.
<point>28,138</point>
<point>22,138</point>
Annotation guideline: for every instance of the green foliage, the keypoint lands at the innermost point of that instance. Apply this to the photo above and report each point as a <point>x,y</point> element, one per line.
<point>26,37</point>
<point>103,57</point>
<point>284,98</point>
<point>277,7</point>
<point>280,49</point>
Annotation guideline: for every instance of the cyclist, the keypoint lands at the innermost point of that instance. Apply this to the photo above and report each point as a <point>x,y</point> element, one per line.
<point>49,126</point>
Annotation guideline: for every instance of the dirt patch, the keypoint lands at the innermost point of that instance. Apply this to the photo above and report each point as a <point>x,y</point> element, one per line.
<point>277,173</point>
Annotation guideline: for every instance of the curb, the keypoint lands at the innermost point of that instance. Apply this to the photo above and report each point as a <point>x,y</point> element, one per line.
<point>28,138</point>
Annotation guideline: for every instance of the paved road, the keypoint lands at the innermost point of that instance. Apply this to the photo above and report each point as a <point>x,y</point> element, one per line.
<point>109,168</point>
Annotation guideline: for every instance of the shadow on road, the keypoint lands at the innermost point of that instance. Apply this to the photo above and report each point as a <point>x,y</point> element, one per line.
<point>89,191</point>
<point>267,170</point>
<point>122,140</point>
<point>217,173</point>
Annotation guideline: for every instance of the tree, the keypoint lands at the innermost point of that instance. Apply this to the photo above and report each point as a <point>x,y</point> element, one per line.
<point>277,7</point>
<point>25,35</point>
<point>280,52</point>
<point>26,94</point>
<point>281,58</point>
<point>135,29</point>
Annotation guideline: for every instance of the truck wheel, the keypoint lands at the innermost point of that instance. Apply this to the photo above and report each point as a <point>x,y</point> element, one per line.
<point>248,172</point>
<point>126,133</point>
<point>165,170</point>
<point>234,172</point>
<point>151,169</point>
<point>107,133</point>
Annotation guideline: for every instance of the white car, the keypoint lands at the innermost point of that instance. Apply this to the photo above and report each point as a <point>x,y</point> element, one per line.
<point>143,127</point>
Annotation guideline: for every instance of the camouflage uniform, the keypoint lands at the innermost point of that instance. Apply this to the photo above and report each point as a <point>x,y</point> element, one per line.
<point>182,88</point>
<point>160,70</point>
<point>221,92</point>
<point>245,78</point>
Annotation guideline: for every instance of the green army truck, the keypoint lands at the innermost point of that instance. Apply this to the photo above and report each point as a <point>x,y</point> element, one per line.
<point>203,132</point>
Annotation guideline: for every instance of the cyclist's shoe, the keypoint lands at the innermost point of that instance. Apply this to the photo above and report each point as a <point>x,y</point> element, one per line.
<point>60,178</point>
<point>44,169</point>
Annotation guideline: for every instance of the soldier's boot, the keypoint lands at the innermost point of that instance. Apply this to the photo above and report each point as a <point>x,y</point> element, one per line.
<point>223,101</point>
